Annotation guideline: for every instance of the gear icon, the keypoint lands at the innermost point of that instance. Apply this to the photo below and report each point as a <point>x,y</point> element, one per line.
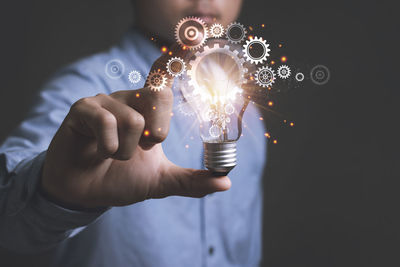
<point>176,66</point>
<point>156,80</point>
<point>191,32</point>
<point>265,76</point>
<point>185,108</point>
<point>320,75</point>
<point>256,50</point>
<point>284,72</point>
<point>114,69</point>
<point>217,30</point>
<point>222,53</point>
<point>134,76</point>
<point>235,32</point>
<point>299,77</point>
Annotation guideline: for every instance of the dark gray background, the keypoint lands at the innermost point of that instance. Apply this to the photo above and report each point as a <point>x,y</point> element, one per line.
<point>331,184</point>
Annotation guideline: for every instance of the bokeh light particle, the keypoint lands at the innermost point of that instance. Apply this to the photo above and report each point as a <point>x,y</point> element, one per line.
<point>283,59</point>
<point>164,49</point>
<point>146,133</point>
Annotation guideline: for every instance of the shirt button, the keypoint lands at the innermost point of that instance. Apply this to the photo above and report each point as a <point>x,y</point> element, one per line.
<point>211,250</point>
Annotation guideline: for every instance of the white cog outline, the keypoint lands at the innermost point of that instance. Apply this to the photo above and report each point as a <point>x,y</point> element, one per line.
<point>156,81</point>
<point>204,29</point>
<point>134,76</point>
<point>283,75</point>
<point>120,71</point>
<point>219,27</point>
<point>169,69</point>
<point>325,79</point>
<point>299,77</point>
<point>229,36</point>
<point>209,50</point>
<point>249,57</point>
<point>261,80</point>
<point>185,108</point>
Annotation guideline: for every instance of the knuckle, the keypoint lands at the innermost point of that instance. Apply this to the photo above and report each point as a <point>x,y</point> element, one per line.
<point>135,122</point>
<point>106,119</point>
<point>86,101</point>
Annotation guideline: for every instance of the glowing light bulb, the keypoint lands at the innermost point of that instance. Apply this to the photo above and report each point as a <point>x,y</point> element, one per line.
<point>215,94</point>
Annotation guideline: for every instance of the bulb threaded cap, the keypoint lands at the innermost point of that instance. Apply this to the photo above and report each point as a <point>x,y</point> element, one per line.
<point>220,158</point>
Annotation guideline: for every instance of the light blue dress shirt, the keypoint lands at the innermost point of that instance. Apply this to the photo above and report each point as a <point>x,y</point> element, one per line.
<point>222,229</point>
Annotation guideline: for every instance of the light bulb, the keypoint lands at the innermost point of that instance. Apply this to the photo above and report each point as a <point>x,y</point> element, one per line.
<point>215,77</point>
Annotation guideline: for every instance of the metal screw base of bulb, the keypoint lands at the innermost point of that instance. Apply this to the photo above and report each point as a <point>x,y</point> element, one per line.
<point>220,158</point>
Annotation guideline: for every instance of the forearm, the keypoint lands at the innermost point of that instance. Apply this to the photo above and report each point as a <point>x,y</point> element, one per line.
<point>28,222</point>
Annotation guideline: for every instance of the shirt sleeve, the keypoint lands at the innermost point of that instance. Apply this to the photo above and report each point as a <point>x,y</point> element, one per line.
<point>29,222</point>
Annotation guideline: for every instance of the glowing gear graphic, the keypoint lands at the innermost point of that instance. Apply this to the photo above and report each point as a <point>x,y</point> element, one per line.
<point>134,76</point>
<point>217,30</point>
<point>235,32</point>
<point>299,77</point>
<point>256,50</point>
<point>191,32</point>
<point>284,72</point>
<point>176,66</point>
<point>204,66</point>
<point>156,80</point>
<point>185,108</point>
<point>114,69</point>
<point>265,76</point>
<point>320,75</point>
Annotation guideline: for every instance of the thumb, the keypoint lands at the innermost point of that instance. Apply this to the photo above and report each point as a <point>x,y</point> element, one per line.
<point>190,182</point>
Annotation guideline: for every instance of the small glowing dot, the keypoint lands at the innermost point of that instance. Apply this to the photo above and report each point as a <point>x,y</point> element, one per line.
<point>261,118</point>
<point>248,97</point>
<point>184,47</point>
<point>186,146</point>
<point>251,28</point>
<point>159,129</point>
<point>164,49</point>
<point>270,103</point>
<point>170,53</point>
<point>269,88</point>
<point>251,38</point>
<point>172,114</point>
<point>284,121</point>
<point>146,133</point>
<point>241,135</point>
<point>263,25</point>
<point>283,59</point>
<point>267,135</point>
<point>292,124</point>
<point>280,45</point>
<point>154,107</point>
<point>137,95</point>
<point>158,70</point>
<point>272,62</point>
<point>275,141</point>
<point>152,38</point>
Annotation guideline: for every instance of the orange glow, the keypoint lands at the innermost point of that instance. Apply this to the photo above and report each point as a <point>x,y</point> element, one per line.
<point>159,129</point>
<point>248,97</point>
<point>292,124</point>
<point>146,133</point>
<point>184,47</point>
<point>164,49</point>
<point>137,95</point>
<point>251,78</point>
<point>251,28</point>
<point>272,62</point>
<point>170,53</point>
<point>275,141</point>
<point>283,59</point>
<point>284,121</point>
<point>280,45</point>
<point>270,103</point>
<point>263,25</point>
<point>154,108</point>
<point>261,118</point>
<point>251,37</point>
<point>267,135</point>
